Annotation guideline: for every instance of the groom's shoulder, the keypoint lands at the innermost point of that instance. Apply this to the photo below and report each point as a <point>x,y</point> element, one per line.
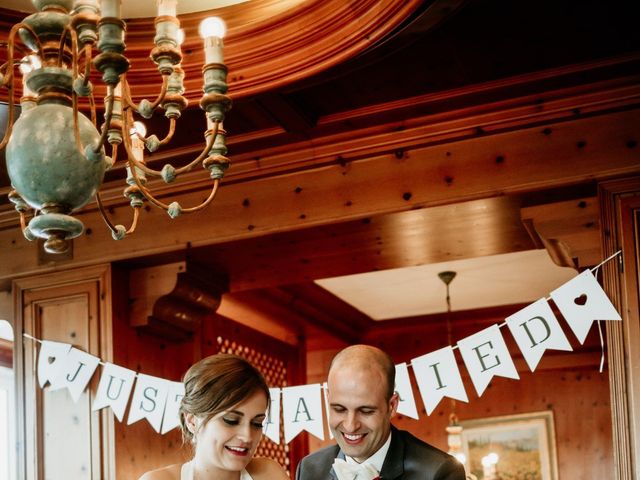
<point>317,464</point>
<point>415,446</point>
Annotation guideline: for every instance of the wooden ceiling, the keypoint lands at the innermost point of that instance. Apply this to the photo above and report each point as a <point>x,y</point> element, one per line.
<point>359,128</point>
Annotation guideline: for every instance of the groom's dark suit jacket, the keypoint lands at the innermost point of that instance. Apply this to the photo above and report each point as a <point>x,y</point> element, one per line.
<point>408,458</point>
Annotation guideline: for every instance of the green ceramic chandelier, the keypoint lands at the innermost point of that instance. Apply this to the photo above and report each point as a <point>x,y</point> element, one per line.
<point>57,155</point>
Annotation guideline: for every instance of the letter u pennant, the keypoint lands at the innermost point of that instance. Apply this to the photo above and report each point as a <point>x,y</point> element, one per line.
<point>302,410</point>
<point>114,389</point>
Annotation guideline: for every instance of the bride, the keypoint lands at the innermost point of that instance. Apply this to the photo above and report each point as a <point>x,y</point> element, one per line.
<point>222,412</point>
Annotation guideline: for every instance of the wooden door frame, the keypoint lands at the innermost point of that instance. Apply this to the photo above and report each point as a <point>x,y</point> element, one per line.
<point>618,200</point>
<point>24,359</point>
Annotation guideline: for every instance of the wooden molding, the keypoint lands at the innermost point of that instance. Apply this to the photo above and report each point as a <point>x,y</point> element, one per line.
<point>177,314</point>
<point>568,230</point>
<point>620,218</point>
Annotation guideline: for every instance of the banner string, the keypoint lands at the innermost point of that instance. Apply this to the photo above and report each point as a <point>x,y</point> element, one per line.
<point>455,347</point>
<point>594,269</point>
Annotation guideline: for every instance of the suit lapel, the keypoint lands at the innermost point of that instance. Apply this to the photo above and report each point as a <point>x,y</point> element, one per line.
<point>393,466</point>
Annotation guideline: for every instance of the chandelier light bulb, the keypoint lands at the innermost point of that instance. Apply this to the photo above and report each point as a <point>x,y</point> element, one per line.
<point>138,129</point>
<point>180,36</point>
<point>212,27</point>
<point>167,7</point>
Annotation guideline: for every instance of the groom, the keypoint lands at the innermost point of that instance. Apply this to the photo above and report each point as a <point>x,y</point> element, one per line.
<point>362,402</point>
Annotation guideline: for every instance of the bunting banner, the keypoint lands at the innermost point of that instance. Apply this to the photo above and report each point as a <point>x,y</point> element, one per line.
<point>438,376</point>
<point>271,427</point>
<point>535,329</point>
<point>302,410</point>
<point>407,404</point>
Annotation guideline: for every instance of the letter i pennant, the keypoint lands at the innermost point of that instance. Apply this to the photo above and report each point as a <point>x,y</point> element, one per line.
<point>302,410</point>
<point>114,389</point>
<point>438,376</point>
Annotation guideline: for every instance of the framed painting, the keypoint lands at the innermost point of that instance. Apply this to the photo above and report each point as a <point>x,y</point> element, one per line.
<point>513,447</point>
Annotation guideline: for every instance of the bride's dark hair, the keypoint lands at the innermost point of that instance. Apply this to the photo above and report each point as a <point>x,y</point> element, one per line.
<point>217,383</point>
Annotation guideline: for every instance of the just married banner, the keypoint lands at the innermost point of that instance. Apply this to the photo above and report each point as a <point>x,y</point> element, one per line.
<point>535,329</point>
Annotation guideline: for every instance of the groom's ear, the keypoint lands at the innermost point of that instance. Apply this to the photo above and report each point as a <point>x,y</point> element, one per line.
<point>393,403</point>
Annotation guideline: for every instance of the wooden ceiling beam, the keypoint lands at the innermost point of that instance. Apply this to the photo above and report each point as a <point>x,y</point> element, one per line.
<point>484,165</point>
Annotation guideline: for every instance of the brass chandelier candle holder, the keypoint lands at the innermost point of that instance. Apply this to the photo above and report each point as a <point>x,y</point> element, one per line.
<point>55,153</point>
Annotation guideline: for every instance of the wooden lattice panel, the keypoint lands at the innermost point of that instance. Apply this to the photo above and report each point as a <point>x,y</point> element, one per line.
<point>275,372</point>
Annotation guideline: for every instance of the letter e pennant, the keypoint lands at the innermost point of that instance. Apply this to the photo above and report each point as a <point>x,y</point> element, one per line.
<point>486,355</point>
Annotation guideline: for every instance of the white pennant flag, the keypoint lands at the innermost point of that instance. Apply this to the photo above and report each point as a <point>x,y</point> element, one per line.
<point>535,329</point>
<point>407,404</point>
<point>114,389</point>
<point>325,391</point>
<point>582,301</point>
<point>485,354</point>
<point>271,427</point>
<point>149,398</point>
<point>171,417</point>
<point>302,410</point>
<point>438,376</point>
<point>48,360</point>
<point>75,372</point>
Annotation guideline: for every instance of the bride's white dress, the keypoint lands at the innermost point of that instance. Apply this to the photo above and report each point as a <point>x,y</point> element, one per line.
<point>186,473</point>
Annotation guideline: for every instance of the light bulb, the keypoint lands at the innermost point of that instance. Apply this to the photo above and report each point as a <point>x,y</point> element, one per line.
<point>138,129</point>
<point>212,27</point>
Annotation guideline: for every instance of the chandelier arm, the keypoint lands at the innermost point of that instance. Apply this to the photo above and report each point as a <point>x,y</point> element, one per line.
<point>87,64</point>
<point>92,109</point>
<point>111,226</point>
<point>9,79</point>
<point>179,171</point>
<point>172,130</point>
<point>128,101</point>
<point>107,117</point>
<point>114,153</point>
<point>74,72</point>
<point>149,196</point>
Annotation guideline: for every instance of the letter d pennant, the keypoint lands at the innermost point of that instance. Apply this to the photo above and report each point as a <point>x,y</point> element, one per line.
<point>536,329</point>
<point>302,410</point>
<point>438,376</point>
<point>114,389</point>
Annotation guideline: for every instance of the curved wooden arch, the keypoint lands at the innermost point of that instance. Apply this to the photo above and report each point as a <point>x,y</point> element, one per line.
<point>272,43</point>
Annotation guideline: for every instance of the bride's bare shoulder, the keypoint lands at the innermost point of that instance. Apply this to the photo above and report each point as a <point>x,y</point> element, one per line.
<point>266,469</point>
<point>172,472</point>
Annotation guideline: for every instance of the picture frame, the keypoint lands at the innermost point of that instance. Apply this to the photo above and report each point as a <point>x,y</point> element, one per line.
<point>511,447</point>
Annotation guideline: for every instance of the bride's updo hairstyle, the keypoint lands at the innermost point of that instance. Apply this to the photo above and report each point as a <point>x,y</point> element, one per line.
<point>216,384</point>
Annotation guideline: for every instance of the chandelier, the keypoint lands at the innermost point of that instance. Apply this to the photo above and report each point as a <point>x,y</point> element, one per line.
<point>55,153</point>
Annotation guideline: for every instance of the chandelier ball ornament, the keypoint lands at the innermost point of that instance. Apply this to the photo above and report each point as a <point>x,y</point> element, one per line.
<point>57,154</point>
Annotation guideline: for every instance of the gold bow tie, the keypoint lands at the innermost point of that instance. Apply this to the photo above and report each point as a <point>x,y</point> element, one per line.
<point>354,471</point>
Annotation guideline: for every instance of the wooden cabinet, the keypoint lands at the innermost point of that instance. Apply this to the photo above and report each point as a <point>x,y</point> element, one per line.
<point>58,437</point>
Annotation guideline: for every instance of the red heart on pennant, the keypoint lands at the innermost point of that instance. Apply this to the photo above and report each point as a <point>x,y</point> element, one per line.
<point>51,360</point>
<point>581,300</point>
